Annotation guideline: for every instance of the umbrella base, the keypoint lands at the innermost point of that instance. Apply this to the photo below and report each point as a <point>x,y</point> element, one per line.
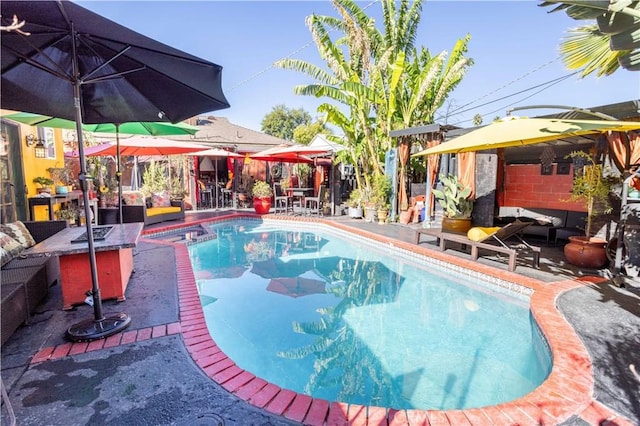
<point>98,329</point>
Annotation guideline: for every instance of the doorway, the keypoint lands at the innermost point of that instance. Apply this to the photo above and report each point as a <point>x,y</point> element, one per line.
<point>13,198</point>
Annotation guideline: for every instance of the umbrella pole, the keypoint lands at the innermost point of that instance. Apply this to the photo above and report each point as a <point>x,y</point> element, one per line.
<point>99,327</point>
<point>118,173</point>
<point>216,189</point>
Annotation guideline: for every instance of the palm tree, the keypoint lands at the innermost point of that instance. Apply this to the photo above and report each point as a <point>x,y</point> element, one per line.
<point>608,44</point>
<point>380,79</point>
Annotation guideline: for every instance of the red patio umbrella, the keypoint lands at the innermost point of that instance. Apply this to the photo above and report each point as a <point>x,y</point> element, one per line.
<point>284,153</point>
<point>296,286</point>
<point>141,146</point>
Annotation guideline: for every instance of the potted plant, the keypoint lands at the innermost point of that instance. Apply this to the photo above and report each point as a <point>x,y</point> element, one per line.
<point>67,214</point>
<point>261,193</point>
<point>590,186</point>
<point>44,184</point>
<point>355,204</point>
<point>178,191</point>
<point>60,176</point>
<point>381,193</point>
<point>455,200</point>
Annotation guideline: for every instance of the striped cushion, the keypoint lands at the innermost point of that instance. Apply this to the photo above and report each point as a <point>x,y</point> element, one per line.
<point>18,232</point>
<point>9,248</point>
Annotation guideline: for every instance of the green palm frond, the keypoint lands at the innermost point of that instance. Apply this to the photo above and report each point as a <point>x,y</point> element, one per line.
<point>605,47</point>
<point>310,69</point>
<point>587,49</point>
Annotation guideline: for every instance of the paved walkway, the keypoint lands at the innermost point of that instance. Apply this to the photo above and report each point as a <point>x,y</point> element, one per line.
<point>159,371</point>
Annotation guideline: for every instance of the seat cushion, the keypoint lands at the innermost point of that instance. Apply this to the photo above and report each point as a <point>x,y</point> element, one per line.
<point>19,232</point>
<point>154,211</point>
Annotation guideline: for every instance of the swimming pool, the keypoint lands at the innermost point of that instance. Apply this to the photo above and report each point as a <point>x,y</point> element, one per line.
<point>342,320</point>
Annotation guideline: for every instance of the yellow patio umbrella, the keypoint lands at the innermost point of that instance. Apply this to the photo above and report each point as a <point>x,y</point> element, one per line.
<point>519,131</point>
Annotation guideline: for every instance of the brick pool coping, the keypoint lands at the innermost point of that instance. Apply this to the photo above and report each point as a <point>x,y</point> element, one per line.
<point>567,391</point>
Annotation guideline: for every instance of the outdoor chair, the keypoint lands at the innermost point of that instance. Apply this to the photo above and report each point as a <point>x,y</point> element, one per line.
<point>313,205</point>
<point>280,200</point>
<point>206,195</point>
<point>499,236</point>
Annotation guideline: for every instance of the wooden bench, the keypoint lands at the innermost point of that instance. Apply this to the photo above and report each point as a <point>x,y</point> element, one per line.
<point>442,237</point>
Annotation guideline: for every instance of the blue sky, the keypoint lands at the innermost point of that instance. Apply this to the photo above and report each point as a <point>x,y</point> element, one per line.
<point>514,45</point>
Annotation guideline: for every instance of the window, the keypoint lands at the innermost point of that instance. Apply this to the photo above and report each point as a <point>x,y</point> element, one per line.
<point>47,136</point>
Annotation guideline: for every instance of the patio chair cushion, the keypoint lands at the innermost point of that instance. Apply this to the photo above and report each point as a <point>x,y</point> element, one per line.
<point>133,198</point>
<point>478,233</point>
<point>161,199</point>
<point>19,232</point>
<point>9,248</point>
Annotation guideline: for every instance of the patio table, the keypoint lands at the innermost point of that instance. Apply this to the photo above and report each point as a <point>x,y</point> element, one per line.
<point>50,201</point>
<point>114,261</point>
<point>298,195</point>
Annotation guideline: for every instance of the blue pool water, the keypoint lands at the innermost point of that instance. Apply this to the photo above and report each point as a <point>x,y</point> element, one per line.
<point>339,319</point>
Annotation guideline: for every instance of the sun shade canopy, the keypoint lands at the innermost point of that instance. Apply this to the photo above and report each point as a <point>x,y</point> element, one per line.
<point>515,131</point>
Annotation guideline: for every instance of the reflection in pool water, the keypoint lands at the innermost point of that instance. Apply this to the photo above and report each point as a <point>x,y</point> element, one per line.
<point>336,319</point>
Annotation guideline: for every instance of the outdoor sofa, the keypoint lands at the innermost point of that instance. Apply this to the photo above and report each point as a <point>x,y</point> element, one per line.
<point>25,281</point>
<point>158,208</point>
<point>550,224</point>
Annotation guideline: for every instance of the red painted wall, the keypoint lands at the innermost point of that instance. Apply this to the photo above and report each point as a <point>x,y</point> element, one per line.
<point>525,186</point>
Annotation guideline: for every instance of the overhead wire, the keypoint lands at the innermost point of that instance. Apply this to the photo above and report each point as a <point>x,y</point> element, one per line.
<point>546,85</point>
<point>515,80</point>
<point>502,108</point>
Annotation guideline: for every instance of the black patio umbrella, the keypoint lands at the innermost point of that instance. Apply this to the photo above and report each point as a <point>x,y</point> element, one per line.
<point>69,62</point>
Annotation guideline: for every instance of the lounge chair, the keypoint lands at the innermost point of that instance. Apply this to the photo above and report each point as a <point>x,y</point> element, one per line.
<point>499,237</point>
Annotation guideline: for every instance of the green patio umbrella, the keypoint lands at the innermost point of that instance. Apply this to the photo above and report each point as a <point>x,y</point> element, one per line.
<point>150,128</point>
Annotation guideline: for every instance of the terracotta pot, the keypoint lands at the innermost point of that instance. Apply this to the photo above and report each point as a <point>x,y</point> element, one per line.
<point>586,253</point>
<point>262,205</point>
<point>405,216</point>
<point>459,226</point>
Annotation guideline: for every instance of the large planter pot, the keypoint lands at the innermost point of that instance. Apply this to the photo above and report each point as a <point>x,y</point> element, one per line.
<point>405,216</point>
<point>355,212</point>
<point>460,226</point>
<point>382,216</point>
<point>586,253</point>
<point>262,205</point>
<point>370,214</point>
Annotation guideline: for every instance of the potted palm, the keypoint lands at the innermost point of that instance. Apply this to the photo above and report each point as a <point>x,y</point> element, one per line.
<point>455,200</point>
<point>590,186</point>
<point>261,193</point>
